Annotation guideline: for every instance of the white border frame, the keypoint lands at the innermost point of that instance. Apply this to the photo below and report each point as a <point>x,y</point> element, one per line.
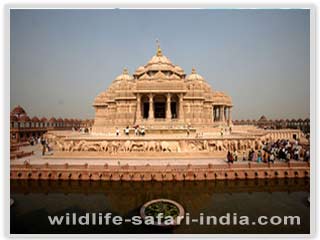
<point>127,5</point>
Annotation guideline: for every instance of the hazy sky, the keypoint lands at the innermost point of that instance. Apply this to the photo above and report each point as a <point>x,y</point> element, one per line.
<point>61,59</point>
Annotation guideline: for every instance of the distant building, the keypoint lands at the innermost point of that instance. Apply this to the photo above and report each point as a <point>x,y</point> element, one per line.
<point>22,127</point>
<point>263,122</point>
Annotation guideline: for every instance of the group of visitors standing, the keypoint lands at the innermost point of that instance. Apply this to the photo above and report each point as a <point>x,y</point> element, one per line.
<point>40,140</point>
<point>138,131</point>
<point>282,150</point>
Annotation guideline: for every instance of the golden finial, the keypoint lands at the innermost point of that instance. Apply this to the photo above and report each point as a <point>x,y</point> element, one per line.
<point>125,71</point>
<point>193,71</point>
<point>159,51</point>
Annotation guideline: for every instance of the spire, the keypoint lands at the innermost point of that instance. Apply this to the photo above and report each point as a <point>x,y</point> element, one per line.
<point>159,51</point>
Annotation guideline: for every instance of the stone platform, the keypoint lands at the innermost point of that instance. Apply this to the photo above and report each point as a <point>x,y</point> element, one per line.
<point>148,169</point>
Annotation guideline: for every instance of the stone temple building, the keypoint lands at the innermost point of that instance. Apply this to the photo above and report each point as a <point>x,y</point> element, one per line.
<point>161,94</point>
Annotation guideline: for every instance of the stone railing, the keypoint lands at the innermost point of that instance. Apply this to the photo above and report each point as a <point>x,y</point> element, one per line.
<point>160,173</point>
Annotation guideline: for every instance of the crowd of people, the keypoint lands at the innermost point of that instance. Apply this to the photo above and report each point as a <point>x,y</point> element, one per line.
<point>282,150</point>
<point>40,140</point>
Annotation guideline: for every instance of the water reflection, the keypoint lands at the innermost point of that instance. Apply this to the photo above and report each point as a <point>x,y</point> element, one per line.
<point>35,200</point>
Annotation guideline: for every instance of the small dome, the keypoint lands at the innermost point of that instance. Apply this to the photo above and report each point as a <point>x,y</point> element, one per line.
<point>124,76</point>
<point>263,118</point>
<point>13,118</point>
<point>18,111</point>
<point>43,119</point>
<point>139,70</point>
<point>221,98</point>
<point>35,119</point>
<point>24,118</point>
<point>194,76</point>
<point>52,119</point>
<point>178,69</point>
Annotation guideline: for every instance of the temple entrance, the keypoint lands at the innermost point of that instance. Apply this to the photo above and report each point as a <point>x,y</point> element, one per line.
<point>159,106</point>
<point>159,110</point>
<point>145,110</point>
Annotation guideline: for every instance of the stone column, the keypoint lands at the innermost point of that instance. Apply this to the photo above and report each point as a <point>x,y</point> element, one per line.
<point>222,113</point>
<point>216,114</point>
<point>229,117</point>
<point>151,112</point>
<point>181,111</point>
<point>138,117</point>
<point>168,113</point>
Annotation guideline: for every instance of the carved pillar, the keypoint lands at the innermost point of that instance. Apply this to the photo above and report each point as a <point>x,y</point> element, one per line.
<point>138,117</point>
<point>222,113</point>
<point>229,117</point>
<point>168,114</point>
<point>151,112</point>
<point>181,111</point>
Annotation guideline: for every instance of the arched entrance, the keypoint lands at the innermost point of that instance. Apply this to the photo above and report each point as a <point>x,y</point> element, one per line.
<point>159,106</point>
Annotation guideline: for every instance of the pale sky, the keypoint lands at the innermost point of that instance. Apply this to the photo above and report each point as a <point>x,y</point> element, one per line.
<point>62,59</point>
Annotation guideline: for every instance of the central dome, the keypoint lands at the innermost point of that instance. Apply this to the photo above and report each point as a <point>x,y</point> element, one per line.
<point>159,64</point>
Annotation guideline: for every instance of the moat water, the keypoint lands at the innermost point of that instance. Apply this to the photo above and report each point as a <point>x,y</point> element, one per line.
<point>35,200</point>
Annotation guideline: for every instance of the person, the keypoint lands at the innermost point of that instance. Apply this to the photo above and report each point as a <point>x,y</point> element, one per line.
<point>235,155</point>
<point>31,141</point>
<point>228,157</point>
<point>127,130</point>
<point>117,132</point>
<point>142,131</point>
<point>43,143</point>
<point>244,156</point>
<point>254,156</point>
<point>48,146</point>
<point>307,156</point>
<point>188,129</point>
<point>259,159</point>
<point>296,153</point>
<point>288,156</point>
<point>250,155</point>
<point>271,158</point>
<point>136,131</point>
<point>231,158</point>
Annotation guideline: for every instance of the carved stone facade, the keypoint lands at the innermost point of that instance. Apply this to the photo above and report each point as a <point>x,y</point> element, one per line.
<point>160,94</point>
<point>115,145</point>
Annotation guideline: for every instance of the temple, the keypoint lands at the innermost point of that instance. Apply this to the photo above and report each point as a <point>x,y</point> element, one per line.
<point>160,95</point>
<point>158,124</point>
